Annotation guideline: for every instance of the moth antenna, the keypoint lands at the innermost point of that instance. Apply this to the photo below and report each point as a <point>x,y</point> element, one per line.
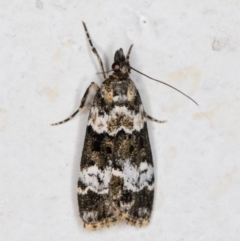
<point>94,50</point>
<point>164,84</point>
<point>129,51</point>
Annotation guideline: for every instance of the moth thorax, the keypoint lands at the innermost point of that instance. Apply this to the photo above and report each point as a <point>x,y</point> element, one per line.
<point>120,88</point>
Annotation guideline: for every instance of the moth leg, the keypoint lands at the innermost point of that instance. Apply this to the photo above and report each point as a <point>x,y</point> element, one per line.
<point>93,86</point>
<point>152,119</point>
<point>129,51</point>
<point>94,50</point>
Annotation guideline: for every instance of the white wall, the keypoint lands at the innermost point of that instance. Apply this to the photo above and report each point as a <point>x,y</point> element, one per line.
<point>45,67</point>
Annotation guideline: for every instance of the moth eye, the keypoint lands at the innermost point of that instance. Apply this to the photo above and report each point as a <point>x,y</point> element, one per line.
<point>116,67</point>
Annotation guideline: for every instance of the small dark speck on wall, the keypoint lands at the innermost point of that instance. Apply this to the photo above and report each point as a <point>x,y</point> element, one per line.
<point>39,4</point>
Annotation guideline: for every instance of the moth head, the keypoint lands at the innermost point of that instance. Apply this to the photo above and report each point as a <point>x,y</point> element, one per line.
<point>121,64</point>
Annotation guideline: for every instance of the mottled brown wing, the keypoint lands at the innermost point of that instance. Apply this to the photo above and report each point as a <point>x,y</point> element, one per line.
<point>116,171</point>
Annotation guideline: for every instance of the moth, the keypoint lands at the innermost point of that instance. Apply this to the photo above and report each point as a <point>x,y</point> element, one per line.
<point>116,177</point>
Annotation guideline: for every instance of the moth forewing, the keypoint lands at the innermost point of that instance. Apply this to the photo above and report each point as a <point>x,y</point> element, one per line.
<point>116,178</point>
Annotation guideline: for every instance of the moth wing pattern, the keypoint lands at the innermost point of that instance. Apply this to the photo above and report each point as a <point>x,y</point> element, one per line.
<point>116,177</point>
<point>116,172</point>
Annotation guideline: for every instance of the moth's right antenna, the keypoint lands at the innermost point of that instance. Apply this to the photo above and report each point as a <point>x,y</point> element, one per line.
<point>164,84</point>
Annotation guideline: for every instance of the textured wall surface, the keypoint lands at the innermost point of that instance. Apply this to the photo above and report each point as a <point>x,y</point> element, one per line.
<point>45,67</point>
